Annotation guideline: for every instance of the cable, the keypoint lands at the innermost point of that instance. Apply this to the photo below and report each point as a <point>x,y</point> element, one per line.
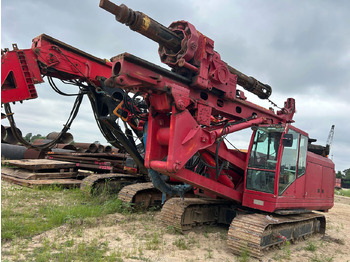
<point>56,89</point>
<point>225,131</point>
<point>135,112</point>
<point>228,141</point>
<point>64,130</point>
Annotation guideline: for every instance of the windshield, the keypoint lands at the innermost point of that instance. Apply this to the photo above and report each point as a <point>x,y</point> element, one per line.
<point>265,148</point>
<point>263,159</point>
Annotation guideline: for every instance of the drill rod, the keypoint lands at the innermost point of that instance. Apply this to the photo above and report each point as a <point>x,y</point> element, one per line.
<point>164,36</point>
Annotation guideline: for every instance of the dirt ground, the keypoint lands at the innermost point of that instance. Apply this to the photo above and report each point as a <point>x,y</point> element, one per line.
<point>139,237</point>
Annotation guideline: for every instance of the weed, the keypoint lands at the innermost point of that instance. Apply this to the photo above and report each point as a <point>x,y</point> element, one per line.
<point>140,251</point>
<point>180,243</point>
<point>172,230</point>
<point>191,240</point>
<point>286,250</point>
<point>153,243</point>
<point>343,192</point>
<point>310,247</point>
<point>223,235</point>
<point>141,258</point>
<point>209,255</point>
<point>244,256</point>
<point>115,258</point>
<point>27,212</point>
<point>69,243</point>
<point>315,258</point>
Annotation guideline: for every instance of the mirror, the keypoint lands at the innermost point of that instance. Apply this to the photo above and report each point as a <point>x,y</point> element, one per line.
<point>287,140</point>
<point>261,137</point>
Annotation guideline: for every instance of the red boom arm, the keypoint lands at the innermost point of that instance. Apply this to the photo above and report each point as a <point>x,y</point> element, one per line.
<point>21,69</point>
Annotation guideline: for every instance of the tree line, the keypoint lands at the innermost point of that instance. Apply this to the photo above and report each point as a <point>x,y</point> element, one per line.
<point>344,175</point>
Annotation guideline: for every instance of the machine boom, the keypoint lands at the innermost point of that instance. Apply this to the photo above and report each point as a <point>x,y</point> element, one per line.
<point>173,42</point>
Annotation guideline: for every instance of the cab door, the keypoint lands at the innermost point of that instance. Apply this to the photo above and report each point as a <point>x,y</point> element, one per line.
<point>289,164</point>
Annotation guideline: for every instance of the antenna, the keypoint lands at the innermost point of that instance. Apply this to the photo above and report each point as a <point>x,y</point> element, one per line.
<point>330,140</point>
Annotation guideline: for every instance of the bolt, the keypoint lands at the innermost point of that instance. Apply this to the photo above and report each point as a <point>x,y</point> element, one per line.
<point>181,62</point>
<point>181,105</point>
<point>193,45</point>
<point>177,165</point>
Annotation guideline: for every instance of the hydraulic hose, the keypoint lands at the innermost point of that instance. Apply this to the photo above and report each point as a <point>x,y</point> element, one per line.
<point>159,180</point>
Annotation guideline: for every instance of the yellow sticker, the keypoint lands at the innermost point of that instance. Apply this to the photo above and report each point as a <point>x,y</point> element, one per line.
<point>145,22</point>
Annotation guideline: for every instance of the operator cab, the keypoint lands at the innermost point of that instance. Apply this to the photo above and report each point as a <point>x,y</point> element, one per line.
<point>276,168</point>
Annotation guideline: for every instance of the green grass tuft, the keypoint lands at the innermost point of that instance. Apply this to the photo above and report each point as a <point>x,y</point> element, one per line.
<point>28,212</point>
<point>343,192</point>
<point>310,247</point>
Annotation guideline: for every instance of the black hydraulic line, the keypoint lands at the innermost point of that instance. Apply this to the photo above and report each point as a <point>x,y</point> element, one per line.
<point>114,135</point>
<point>104,130</point>
<point>192,163</point>
<point>160,184</point>
<point>135,112</point>
<point>56,89</point>
<point>129,147</point>
<point>129,135</point>
<point>64,130</point>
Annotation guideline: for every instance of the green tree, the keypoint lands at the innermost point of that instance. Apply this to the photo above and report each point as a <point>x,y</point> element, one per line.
<point>347,173</point>
<point>339,174</point>
<point>28,137</point>
<point>38,136</point>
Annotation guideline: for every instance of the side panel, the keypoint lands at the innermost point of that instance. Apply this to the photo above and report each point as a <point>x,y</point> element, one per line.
<point>318,183</point>
<point>328,180</point>
<point>258,200</point>
<point>313,182</point>
<point>300,187</point>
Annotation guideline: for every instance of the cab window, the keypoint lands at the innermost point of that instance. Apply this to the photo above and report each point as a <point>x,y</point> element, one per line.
<point>289,163</point>
<point>263,159</point>
<point>302,155</point>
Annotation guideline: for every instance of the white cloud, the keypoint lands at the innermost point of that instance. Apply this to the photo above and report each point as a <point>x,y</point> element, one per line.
<point>301,50</point>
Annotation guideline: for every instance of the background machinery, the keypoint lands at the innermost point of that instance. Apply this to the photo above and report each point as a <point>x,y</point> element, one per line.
<point>266,194</point>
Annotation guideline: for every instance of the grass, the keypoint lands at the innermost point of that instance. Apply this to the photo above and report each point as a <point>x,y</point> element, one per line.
<point>316,258</point>
<point>153,242</point>
<point>181,243</point>
<point>49,208</point>
<point>83,251</point>
<point>285,253</point>
<point>310,246</point>
<point>244,256</point>
<point>343,192</point>
<point>27,212</point>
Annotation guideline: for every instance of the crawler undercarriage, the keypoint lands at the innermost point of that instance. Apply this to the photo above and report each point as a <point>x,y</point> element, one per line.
<point>248,231</point>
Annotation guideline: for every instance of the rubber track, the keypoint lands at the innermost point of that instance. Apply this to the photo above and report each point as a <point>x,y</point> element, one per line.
<point>173,210</point>
<point>247,230</point>
<point>88,183</point>
<point>127,193</point>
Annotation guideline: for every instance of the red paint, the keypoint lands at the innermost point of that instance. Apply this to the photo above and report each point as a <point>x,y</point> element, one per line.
<point>20,69</point>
